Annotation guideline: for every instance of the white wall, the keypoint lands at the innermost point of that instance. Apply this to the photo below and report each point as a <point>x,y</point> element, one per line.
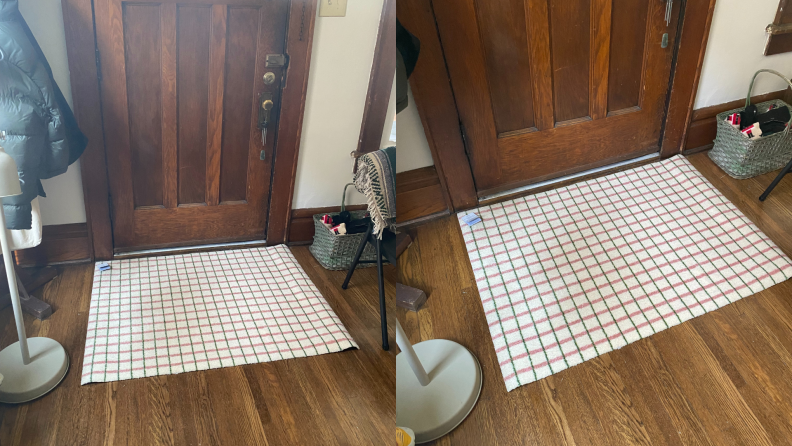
<point>343,52</point>
<point>735,51</point>
<point>413,152</point>
<point>64,202</point>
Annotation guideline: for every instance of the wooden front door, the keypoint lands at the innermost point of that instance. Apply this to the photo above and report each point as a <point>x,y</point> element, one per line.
<point>181,85</point>
<point>545,88</point>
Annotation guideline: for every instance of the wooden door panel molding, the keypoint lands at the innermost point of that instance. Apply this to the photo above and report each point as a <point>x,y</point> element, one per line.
<point>570,53</point>
<point>583,87</point>
<point>193,31</point>
<point>629,39</point>
<point>618,89</point>
<point>171,148</point>
<point>539,34</point>
<point>572,149</point>
<point>170,106</point>
<point>512,99</point>
<point>204,186</point>
<point>216,104</point>
<point>601,58</point>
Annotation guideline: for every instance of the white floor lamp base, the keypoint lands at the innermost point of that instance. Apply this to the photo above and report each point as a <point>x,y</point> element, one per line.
<point>436,409</point>
<point>22,383</point>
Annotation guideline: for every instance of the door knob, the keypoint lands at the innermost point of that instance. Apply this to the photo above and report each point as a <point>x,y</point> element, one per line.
<point>264,116</point>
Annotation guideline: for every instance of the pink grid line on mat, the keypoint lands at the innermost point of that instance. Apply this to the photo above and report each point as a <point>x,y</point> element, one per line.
<point>175,314</point>
<point>572,273</point>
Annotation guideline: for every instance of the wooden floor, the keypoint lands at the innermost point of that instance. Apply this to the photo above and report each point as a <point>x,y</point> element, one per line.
<point>724,378</point>
<point>345,398</point>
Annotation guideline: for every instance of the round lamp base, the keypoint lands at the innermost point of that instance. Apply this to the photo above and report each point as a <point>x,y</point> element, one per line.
<point>22,383</point>
<point>438,408</point>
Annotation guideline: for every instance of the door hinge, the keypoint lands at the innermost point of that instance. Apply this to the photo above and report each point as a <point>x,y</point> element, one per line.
<point>774,29</point>
<point>98,65</point>
<point>464,138</point>
<point>110,207</point>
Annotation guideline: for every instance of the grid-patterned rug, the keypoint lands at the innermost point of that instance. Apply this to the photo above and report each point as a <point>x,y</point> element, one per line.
<point>573,273</point>
<point>174,314</point>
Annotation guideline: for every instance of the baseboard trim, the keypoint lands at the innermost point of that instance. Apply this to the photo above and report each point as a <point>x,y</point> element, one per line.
<point>688,152</point>
<point>60,244</point>
<point>418,194</point>
<point>410,224</point>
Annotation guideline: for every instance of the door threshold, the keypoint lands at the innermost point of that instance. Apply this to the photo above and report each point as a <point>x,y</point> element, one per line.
<point>568,179</point>
<point>187,249</point>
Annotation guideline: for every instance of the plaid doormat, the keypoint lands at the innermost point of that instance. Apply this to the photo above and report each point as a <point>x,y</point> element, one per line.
<point>573,273</point>
<point>175,314</point>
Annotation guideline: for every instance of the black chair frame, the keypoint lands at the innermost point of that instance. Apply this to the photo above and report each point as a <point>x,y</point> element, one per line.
<point>386,248</point>
<point>777,180</point>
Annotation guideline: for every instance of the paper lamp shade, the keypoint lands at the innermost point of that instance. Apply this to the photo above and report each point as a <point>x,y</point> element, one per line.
<point>9,178</point>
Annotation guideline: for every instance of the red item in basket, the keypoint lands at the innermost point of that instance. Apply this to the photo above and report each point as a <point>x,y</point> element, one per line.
<point>752,132</point>
<point>734,120</point>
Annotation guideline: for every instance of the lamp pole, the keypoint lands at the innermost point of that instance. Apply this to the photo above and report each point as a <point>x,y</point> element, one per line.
<point>24,379</point>
<point>12,285</point>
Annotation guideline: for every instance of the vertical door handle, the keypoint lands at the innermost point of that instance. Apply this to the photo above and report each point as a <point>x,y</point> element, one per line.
<point>669,8</point>
<point>265,108</point>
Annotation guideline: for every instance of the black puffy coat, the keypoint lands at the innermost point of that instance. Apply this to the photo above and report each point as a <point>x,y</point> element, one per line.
<point>42,134</point>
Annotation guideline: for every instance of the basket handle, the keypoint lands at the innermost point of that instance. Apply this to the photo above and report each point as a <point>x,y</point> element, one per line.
<point>750,89</point>
<point>343,197</point>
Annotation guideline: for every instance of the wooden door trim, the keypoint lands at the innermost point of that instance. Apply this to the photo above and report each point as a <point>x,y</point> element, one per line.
<point>693,36</point>
<point>79,24</point>
<point>436,106</point>
<point>78,20</point>
<point>383,70</point>
<point>431,85</point>
<point>299,41</point>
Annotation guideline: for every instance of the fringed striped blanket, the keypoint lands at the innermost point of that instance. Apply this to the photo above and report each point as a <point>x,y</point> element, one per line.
<point>376,179</point>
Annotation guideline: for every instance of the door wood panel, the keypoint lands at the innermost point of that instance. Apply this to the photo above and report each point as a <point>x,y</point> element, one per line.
<point>550,87</point>
<point>180,94</point>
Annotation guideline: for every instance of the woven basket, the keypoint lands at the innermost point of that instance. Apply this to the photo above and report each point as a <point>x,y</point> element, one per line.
<point>741,157</point>
<point>336,252</point>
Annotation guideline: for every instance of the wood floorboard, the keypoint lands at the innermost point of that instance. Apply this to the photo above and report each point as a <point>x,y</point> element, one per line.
<point>719,379</point>
<point>345,398</point>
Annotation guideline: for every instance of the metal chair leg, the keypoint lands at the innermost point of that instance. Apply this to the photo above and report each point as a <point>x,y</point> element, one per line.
<point>381,280</point>
<point>359,253</point>
<point>777,180</point>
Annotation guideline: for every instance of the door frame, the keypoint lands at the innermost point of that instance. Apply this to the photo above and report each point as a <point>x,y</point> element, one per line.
<point>434,98</point>
<point>79,24</point>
